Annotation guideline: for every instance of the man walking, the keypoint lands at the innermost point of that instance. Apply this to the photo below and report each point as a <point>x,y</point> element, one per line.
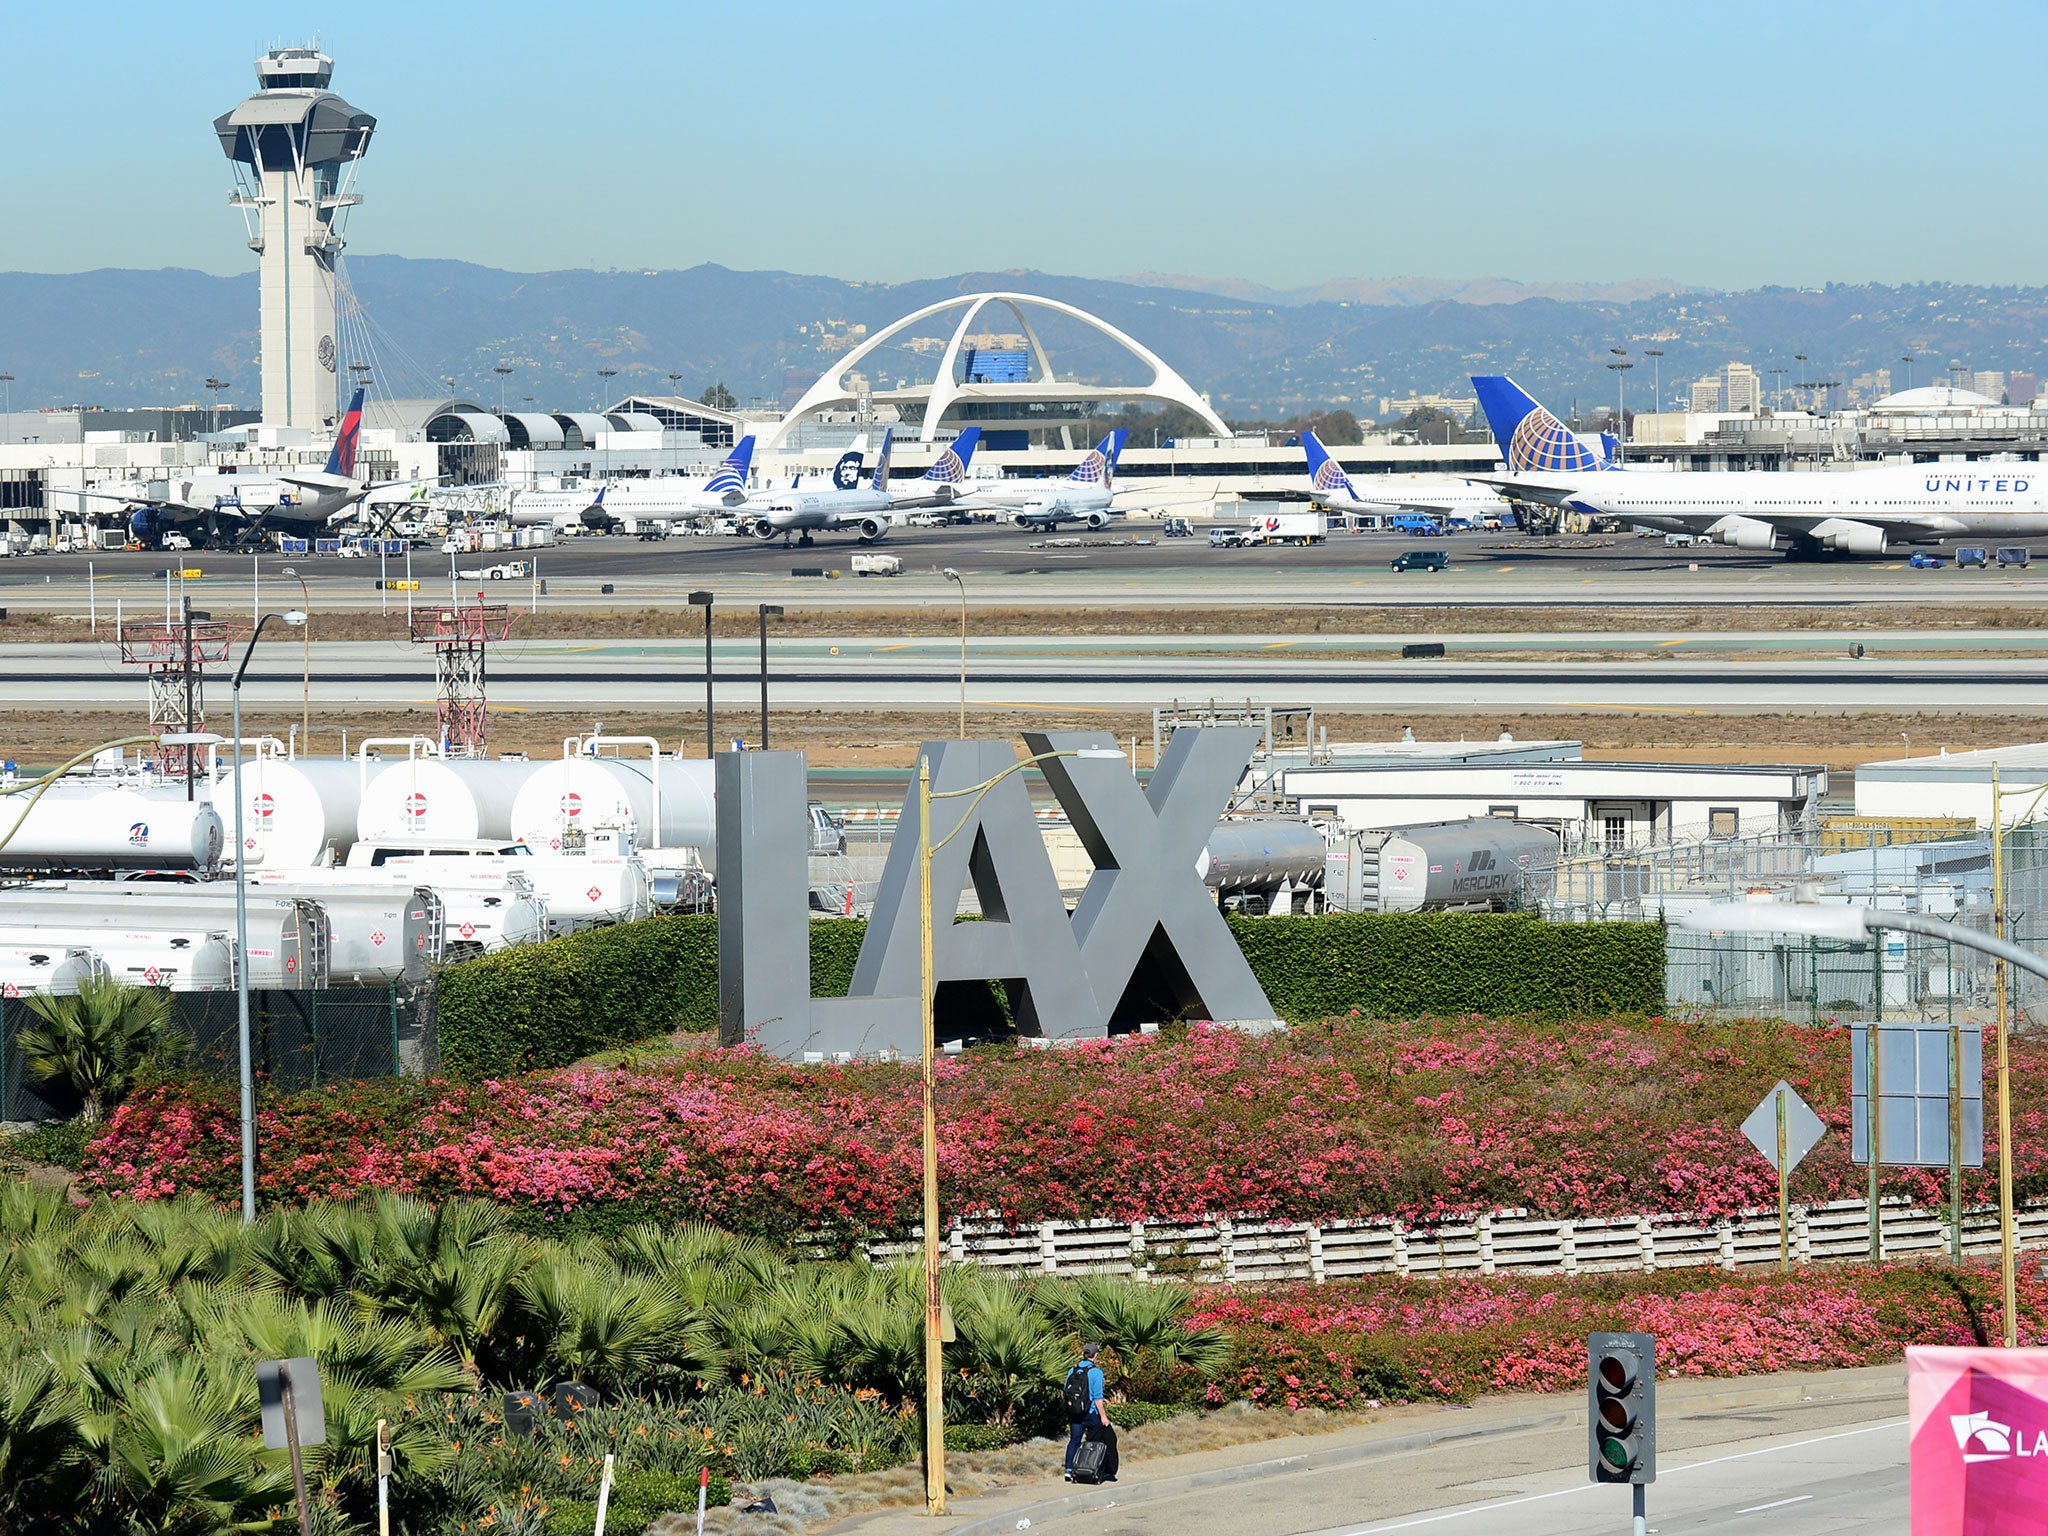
<point>1084,1392</point>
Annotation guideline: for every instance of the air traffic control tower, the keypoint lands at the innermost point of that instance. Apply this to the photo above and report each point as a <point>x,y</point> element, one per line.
<point>295,146</point>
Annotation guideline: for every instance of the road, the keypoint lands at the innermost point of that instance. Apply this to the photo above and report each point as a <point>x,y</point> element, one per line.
<point>1048,672</point>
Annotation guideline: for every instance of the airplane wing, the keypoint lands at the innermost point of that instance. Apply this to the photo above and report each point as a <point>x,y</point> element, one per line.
<point>1546,490</point>
<point>150,501</point>
<point>1441,506</point>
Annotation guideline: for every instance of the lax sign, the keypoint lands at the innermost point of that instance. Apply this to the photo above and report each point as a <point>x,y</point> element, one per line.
<point>1144,939</point>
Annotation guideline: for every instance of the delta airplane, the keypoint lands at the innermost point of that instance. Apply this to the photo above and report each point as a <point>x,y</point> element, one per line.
<point>668,496</point>
<point>309,503</point>
<point>1806,513</point>
<point>1083,497</point>
<point>1333,490</point>
<point>847,507</point>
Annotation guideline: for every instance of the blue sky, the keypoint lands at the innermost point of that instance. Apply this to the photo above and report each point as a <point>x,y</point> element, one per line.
<point>1720,145</point>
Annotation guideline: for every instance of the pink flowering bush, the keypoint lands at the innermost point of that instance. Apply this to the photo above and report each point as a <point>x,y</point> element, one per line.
<point>1425,1120</point>
<point>1387,1339</point>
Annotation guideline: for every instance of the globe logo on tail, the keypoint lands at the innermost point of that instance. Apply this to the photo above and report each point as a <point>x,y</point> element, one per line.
<point>1542,442</point>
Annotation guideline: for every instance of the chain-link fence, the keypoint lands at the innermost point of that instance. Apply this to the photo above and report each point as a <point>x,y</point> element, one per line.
<point>296,1039</point>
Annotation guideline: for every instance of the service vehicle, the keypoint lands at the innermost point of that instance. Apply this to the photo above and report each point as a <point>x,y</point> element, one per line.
<point>1923,561</point>
<point>2013,555</point>
<point>876,565</point>
<point>1176,528</point>
<point>1966,558</point>
<point>1422,560</point>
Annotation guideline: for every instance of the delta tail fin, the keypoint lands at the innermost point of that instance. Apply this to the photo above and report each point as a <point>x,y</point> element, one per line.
<point>1529,437</point>
<point>950,467</point>
<point>347,437</point>
<point>1325,473</point>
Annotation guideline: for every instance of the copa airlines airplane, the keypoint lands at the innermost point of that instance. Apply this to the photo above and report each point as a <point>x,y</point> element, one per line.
<point>302,504</point>
<point>1335,491</point>
<point>1083,497</point>
<point>669,496</point>
<point>1804,512</point>
<point>848,508</point>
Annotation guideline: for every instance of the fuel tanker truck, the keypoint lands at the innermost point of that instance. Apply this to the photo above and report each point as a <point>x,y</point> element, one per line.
<point>1481,863</point>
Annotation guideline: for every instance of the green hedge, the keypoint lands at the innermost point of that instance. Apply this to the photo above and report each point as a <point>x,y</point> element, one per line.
<point>550,1004</point>
<point>1412,964</point>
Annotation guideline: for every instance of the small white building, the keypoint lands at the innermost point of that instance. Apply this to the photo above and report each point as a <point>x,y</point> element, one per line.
<point>1957,784</point>
<point>1603,805</point>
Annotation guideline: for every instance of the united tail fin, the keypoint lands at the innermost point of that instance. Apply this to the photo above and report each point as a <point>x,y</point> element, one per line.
<point>347,437</point>
<point>881,480</point>
<point>1325,473</point>
<point>1099,466</point>
<point>950,467</point>
<point>1529,437</point>
<point>731,475</point>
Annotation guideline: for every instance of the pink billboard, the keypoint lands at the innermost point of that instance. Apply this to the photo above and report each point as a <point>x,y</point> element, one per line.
<point>1978,1423</point>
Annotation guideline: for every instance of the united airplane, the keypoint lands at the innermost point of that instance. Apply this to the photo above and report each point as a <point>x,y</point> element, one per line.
<point>1083,497</point>
<point>1334,490</point>
<point>1803,512</point>
<point>605,508</point>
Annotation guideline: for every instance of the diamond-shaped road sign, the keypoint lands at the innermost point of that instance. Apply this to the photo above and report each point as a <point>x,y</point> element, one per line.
<point>1803,1128</point>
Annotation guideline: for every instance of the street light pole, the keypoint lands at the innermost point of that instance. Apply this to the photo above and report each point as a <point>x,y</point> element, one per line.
<point>1854,924</point>
<point>305,656</point>
<point>1620,370</point>
<point>934,1309</point>
<point>242,929</point>
<point>954,576</point>
<point>703,600</point>
<point>768,611</point>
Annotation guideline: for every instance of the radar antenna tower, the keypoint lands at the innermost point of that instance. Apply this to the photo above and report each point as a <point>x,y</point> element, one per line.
<point>461,635</point>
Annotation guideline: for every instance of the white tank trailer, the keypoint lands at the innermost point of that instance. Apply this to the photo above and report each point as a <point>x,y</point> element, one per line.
<point>669,804</point>
<point>378,929</point>
<point>288,938</point>
<point>297,812</point>
<point>45,967</point>
<point>439,798</point>
<point>89,824</point>
<point>1480,863</point>
<point>179,960</point>
<point>1262,855</point>
<point>486,903</point>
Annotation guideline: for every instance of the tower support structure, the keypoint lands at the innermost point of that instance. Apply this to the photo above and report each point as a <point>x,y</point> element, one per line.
<point>462,635</point>
<point>176,655</point>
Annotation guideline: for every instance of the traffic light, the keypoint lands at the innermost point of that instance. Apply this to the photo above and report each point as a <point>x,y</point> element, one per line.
<point>1621,1388</point>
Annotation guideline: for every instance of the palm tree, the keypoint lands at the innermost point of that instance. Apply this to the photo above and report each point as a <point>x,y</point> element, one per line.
<point>96,1042</point>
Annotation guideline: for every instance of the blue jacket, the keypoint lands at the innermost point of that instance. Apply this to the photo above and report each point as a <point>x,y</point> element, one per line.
<point>1095,1383</point>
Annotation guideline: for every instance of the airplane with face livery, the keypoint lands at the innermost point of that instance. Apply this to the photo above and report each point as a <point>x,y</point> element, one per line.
<point>1806,513</point>
<point>852,508</point>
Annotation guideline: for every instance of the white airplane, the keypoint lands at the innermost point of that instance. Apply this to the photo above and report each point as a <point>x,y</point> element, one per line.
<point>1335,491</point>
<point>1083,497</point>
<point>849,508</point>
<point>604,508</point>
<point>302,504</point>
<point>1804,512</point>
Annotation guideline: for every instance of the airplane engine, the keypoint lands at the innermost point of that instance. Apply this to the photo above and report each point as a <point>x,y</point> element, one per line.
<point>1097,520</point>
<point>873,529</point>
<point>1850,536</point>
<point>1745,533</point>
<point>761,528</point>
<point>146,526</point>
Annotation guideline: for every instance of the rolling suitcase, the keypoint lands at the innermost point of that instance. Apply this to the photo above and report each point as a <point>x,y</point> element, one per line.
<point>1098,1450</point>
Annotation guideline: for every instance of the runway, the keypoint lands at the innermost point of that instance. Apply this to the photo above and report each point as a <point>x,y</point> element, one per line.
<point>1129,566</point>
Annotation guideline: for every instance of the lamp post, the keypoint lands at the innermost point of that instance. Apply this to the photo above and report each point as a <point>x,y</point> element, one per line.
<point>213,416</point>
<point>502,370</point>
<point>768,611</point>
<point>242,930</point>
<point>1908,361</point>
<point>954,576</point>
<point>1619,369</point>
<point>703,600</point>
<point>934,1363</point>
<point>1854,924</point>
<point>607,374</point>
<point>1656,356</point>
<point>305,656</point>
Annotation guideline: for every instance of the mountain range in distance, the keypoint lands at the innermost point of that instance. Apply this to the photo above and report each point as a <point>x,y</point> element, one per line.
<point>118,337</point>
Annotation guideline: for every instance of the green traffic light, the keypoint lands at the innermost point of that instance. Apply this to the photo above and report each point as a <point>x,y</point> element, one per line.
<point>1616,1453</point>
